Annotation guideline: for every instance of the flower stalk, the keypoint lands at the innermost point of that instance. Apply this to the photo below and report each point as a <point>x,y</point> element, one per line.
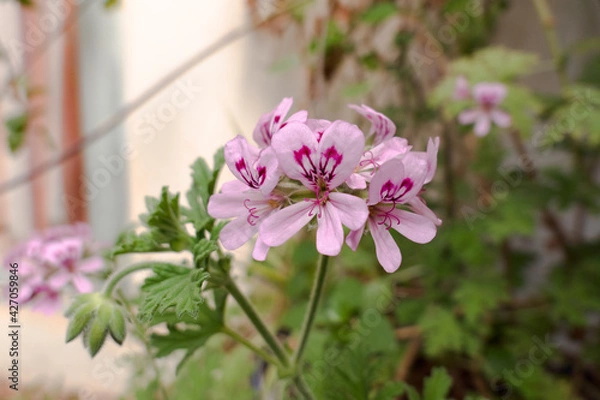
<point>313,303</point>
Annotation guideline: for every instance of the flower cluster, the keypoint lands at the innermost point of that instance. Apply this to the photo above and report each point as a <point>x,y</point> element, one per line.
<point>488,97</point>
<point>306,169</point>
<point>51,261</point>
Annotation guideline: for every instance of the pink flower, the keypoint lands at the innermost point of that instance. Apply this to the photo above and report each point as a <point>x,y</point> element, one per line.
<point>271,122</point>
<point>488,97</point>
<point>249,200</point>
<point>67,257</point>
<point>462,91</point>
<point>429,160</point>
<point>396,183</point>
<point>381,126</point>
<point>373,158</point>
<point>321,165</point>
<point>249,207</point>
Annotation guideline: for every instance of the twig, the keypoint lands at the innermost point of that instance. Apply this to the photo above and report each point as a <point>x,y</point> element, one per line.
<point>131,107</point>
<point>409,358</point>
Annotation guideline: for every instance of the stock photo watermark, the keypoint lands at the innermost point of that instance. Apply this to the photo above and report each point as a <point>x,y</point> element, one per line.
<point>153,122</point>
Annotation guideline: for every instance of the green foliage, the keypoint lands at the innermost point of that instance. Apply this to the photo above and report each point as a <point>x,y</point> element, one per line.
<point>579,117</point>
<point>379,12</point>
<point>437,385</point>
<point>476,297</point>
<point>164,220</point>
<point>16,126</point>
<point>441,331</point>
<point>172,286</point>
<point>131,242</point>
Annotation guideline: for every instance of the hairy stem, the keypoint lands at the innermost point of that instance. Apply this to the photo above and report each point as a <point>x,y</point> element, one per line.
<point>258,323</point>
<point>259,352</point>
<point>116,278</point>
<point>313,303</point>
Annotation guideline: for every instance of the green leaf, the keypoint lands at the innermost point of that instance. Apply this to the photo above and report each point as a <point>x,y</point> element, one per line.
<point>16,126</point>
<point>203,186</point>
<point>203,249</point>
<point>190,339</point>
<point>477,296</point>
<point>379,12</point>
<point>494,64</point>
<point>579,117</point>
<point>131,242</point>
<point>437,385</point>
<point>172,286</point>
<point>441,331</point>
<point>164,220</point>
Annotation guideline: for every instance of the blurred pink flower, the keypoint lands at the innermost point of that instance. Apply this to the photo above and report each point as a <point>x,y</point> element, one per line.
<point>488,97</point>
<point>462,90</point>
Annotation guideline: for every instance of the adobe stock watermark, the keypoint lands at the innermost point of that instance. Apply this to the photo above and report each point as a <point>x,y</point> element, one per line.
<point>152,123</point>
<point>456,23</point>
<point>509,379</point>
<point>36,34</point>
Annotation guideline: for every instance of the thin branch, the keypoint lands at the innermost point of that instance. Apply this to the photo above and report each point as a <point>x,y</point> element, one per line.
<point>128,109</point>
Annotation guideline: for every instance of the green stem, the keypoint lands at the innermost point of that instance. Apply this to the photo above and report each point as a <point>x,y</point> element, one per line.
<point>313,303</point>
<point>261,353</point>
<point>303,388</point>
<point>141,334</point>
<point>260,326</point>
<point>116,278</point>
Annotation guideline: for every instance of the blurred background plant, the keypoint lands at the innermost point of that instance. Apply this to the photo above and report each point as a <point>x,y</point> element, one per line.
<point>504,302</point>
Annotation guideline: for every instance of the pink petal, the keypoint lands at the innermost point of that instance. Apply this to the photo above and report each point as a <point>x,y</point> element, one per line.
<point>354,237</point>
<point>382,126</point>
<point>90,265</point>
<point>59,279</point>
<point>469,116</point>
<point>433,146</point>
<point>388,253</point>
<point>356,181</point>
<point>387,150</point>
<point>260,250</point>
<point>268,160</point>
<point>285,223</point>
<point>318,126</point>
<point>236,233</point>
<point>489,94</point>
<point>501,118</point>
<point>461,89</point>
<point>398,180</point>
<point>296,148</point>
<point>352,210</point>
<point>483,125</point>
<point>346,140</point>
<point>243,161</point>
<point>330,234</point>
<point>82,284</point>
<point>270,123</point>
<point>300,116</point>
<point>227,205</point>
<point>415,227</point>
<point>419,207</point>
